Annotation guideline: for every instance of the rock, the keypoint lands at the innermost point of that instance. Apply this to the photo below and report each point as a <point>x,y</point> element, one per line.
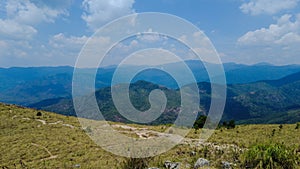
<point>192,153</point>
<point>188,166</point>
<point>172,165</point>
<point>201,162</point>
<point>226,165</point>
<point>77,165</point>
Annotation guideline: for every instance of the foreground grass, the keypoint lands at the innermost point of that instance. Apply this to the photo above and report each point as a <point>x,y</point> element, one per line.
<point>56,141</point>
<point>24,141</point>
<point>248,135</point>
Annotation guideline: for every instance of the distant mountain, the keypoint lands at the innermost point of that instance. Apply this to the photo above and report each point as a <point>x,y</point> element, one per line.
<point>285,80</point>
<point>248,74</point>
<point>259,102</point>
<point>26,86</point>
<point>276,101</point>
<point>139,93</point>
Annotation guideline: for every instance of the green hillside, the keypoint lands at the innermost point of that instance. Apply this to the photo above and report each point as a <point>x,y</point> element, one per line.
<point>262,102</point>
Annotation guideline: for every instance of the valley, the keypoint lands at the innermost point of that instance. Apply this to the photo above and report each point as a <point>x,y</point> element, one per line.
<point>262,102</point>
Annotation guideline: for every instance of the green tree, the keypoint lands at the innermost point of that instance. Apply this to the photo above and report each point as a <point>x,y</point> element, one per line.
<point>199,123</point>
<point>231,124</point>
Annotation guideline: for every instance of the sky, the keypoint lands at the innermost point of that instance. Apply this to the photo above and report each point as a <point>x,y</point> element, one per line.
<point>53,32</point>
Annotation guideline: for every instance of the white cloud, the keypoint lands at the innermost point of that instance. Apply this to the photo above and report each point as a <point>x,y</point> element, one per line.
<point>284,32</point>
<point>151,56</point>
<point>3,48</point>
<point>151,37</point>
<point>256,7</point>
<point>27,12</point>
<point>55,4</point>
<point>69,43</point>
<point>13,51</point>
<point>122,47</point>
<point>64,49</point>
<point>279,43</point>
<point>21,16</point>
<point>99,12</point>
<point>13,30</point>
<point>18,29</point>
<point>67,48</point>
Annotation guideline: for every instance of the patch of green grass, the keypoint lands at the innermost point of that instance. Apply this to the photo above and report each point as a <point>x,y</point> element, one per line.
<point>247,135</point>
<point>269,156</point>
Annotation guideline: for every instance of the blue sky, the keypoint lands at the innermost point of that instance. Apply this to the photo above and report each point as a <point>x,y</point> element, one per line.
<point>52,33</point>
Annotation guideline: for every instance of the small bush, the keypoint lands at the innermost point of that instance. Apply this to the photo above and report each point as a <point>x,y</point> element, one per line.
<point>205,151</point>
<point>135,163</point>
<point>297,126</point>
<point>200,122</point>
<point>88,129</point>
<point>269,156</point>
<point>171,131</point>
<point>39,114</point>
<point>273,132</point>
<point>229,125</point>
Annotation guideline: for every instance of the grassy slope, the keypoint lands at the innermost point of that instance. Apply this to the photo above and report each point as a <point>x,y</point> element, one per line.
<point>25,140</point>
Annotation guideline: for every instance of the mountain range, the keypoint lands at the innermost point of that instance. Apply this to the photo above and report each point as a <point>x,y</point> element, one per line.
<point>26,86</point>
<point>260,93</point>
<point>269,101</point>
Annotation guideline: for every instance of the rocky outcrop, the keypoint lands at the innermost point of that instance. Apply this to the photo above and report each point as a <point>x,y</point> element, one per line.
<point>171,165</point>
<point>201,162</point>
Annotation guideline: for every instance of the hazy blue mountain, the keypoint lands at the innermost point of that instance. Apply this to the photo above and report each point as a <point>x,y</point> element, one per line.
<point>285,80</point>
<point>25,86</point>
<point>247,74</point>
<point>26,89</point>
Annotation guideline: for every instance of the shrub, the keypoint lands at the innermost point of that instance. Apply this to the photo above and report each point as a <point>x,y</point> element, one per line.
<point>269,156</point>
<point>39,114</point>
<point>297,126</point>
<point>205,151</point>
<point>229,125</point>
<point>200,122</point>
<point>171,131</point>
<point>88,129</point>
<point>135,163</point>
<point>273,132</point>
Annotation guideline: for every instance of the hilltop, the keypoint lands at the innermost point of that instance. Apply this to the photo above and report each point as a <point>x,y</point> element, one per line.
<point>39,139</point>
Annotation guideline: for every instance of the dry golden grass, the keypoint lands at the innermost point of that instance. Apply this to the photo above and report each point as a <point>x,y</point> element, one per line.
<point>56,141</point>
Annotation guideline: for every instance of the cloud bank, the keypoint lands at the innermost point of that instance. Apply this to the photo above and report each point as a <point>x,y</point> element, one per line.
<point>257,7</point>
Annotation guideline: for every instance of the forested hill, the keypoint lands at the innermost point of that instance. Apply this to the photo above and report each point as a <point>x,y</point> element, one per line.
<point>276,101</point>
